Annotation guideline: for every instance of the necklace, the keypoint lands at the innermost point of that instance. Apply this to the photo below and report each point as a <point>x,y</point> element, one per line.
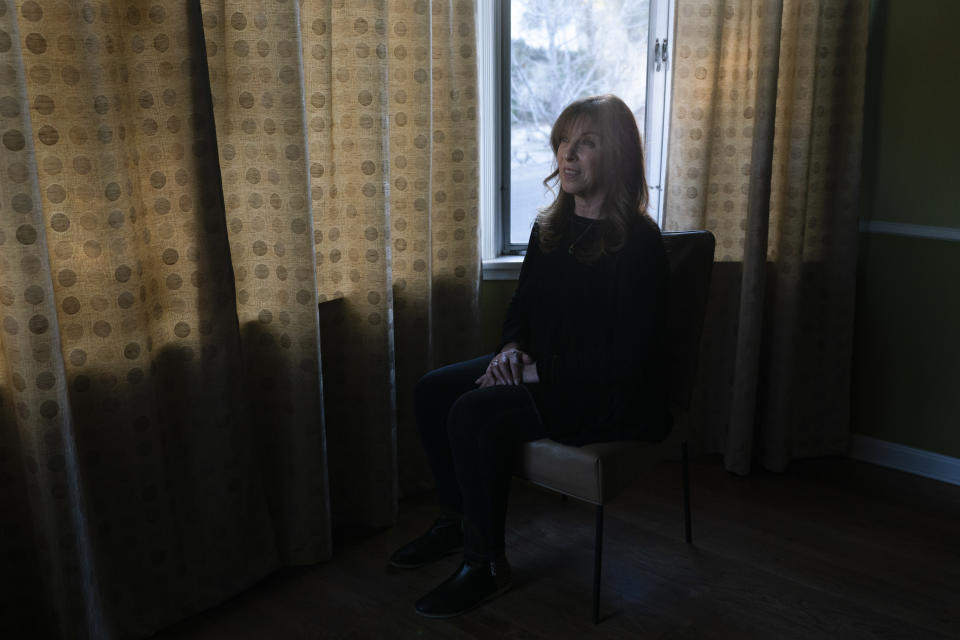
<point>580,237</point>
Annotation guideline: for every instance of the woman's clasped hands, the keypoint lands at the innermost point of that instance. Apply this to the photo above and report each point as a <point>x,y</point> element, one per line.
<point>510,366</point>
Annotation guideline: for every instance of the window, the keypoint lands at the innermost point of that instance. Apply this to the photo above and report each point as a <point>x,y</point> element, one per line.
<point>535,57</point>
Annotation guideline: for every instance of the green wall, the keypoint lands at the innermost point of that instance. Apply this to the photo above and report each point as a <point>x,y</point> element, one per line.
<point>494,297</point>
<point>907,337</point>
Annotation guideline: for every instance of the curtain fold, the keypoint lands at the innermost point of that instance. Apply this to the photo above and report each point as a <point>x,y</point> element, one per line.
<point>256,85</point>
<point>391,108</point>
<point>180,185</point>
<point>765,152</point>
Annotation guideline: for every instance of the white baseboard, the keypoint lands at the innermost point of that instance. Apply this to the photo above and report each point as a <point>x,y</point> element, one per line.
<point>910,230</point>
<point>898,456</point>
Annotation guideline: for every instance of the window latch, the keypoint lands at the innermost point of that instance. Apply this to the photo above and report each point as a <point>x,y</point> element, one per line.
<point>659,53</point>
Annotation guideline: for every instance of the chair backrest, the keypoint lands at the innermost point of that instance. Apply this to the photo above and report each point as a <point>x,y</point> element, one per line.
<point>690,254</point>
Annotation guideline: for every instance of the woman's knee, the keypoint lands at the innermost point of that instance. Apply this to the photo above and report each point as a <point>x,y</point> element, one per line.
<point>473,417</point>
<point>462,418</point>
<point>433,396</point>
<point>450,380</point>
<point>441,387</point>
<point>426,388</point>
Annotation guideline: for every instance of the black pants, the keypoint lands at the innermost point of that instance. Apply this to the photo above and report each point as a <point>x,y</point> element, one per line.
<point>472,437</point>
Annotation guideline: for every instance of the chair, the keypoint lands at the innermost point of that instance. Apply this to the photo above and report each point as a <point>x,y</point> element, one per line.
<point>596,473</point>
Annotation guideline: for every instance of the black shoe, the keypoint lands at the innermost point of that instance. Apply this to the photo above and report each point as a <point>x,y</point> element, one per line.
<point>473,584</point>
<point>443,538</point>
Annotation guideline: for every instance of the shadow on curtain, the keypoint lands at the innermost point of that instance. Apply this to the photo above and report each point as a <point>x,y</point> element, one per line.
<point>390,90</point>
<point>765,145</point>
<point>179,187</point>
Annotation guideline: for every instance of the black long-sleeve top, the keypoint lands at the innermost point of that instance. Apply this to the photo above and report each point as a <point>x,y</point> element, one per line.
<point>596,332</point>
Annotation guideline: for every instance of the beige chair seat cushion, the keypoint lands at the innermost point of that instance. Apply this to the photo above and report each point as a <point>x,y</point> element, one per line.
<point>594,473</point>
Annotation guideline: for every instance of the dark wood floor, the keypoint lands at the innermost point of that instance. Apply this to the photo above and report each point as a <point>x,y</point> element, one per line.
<point>833,548</point>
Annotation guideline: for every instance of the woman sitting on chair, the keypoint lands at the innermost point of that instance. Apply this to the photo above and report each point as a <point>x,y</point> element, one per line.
<point>581,358</point>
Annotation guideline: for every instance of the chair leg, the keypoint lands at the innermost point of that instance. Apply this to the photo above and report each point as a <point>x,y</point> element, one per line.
<point>597,564</point>
<point>686,492</point>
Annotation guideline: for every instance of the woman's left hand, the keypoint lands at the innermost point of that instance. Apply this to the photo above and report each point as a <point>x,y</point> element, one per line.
<point>510,366</point>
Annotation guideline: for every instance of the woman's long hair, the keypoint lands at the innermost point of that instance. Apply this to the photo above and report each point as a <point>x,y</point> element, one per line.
<point>621,170</point>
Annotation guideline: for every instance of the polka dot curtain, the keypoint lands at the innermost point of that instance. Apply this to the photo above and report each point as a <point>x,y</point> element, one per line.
<point>180,185</point>
<point>390,93</point>
<point>765,152</point>
<point>158,454</point>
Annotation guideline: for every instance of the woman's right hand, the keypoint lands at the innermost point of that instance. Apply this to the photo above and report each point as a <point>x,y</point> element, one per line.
<point>505,368</point>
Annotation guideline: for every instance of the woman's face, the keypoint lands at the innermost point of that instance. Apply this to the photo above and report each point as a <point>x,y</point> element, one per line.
<point>579,160</point>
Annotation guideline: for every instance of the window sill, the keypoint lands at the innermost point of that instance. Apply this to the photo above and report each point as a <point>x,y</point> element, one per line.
<point>502,268</point>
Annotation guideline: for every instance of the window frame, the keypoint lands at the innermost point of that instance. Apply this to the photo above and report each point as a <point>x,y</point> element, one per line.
<point>500,257</point>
